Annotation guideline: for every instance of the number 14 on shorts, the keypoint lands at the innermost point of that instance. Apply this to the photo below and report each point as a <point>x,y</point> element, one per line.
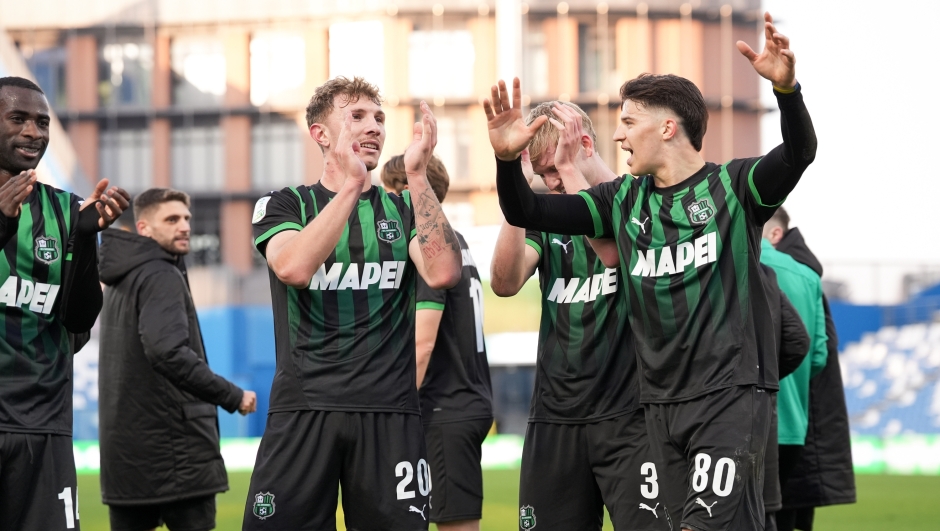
<point>70,515</point>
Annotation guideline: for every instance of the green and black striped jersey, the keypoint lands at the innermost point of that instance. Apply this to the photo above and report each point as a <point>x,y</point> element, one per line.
<point>586,368</point>
<point>690,254</point>
<point>456,385</point>
<point>35,353</point>
<point>345,342</point>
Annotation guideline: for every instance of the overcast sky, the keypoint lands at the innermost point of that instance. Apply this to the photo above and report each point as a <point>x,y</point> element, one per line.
<point>870,80</point>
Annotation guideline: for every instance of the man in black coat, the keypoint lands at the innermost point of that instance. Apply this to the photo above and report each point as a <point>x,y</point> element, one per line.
<point>160,459</point>
<point>824,474</point>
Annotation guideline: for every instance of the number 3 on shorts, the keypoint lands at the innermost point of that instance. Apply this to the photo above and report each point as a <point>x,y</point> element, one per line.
<point>650,490</point>
<point>723,479</point>
<point>424,479</point>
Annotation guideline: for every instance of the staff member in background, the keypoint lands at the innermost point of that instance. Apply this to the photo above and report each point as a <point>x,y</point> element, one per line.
<point>160,459</point>
<point>453,375</point>
<point>803,287</point>
<point>824,474</point>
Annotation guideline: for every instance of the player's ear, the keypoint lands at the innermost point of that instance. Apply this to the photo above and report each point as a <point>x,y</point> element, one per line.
<point>320,135</point>
<point>670,128</point>
<point>588,145</point>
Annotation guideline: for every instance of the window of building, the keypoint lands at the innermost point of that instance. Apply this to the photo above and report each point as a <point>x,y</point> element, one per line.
<point>124,74</point>
<point>534,61</point>
<point>277,153</point>
<point>452,55</point>
<point>278,68</point>
<point>49,68</point>
<point>595,62</point>
<point>358,49</point>
<point>205,246</point>
<point>126,158</point>
<point>453,142</point>
<point>197,158</point>
<point>198,65</point>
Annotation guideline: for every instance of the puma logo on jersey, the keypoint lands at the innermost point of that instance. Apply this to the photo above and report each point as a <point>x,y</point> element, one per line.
<point>702,251</point>
<point>413,509</point>
<point>38,297</point>
<point>707,507</point>
<point>641,225</point>
<point>583,290</point>
<point>650,509</point>
<point>387,275</point>
<point>564,245</point>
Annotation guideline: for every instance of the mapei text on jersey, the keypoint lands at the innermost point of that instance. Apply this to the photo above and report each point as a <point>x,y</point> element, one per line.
<point>387,275</point>
<point>39,297</point>
<point>701,251</point>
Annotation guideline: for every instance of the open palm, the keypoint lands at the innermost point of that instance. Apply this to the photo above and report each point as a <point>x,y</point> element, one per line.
<point>776,62</point>
<point>509,134</point>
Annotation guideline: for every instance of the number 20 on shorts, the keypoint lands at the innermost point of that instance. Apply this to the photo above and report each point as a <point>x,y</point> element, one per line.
<point>424,479</point>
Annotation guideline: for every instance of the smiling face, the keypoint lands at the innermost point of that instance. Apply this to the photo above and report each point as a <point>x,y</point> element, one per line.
<point>24,129</point>
<point>168,224</point>
<point>368,127</point>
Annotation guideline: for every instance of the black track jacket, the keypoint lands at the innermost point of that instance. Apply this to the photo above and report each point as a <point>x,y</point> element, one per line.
<point>159,430</point>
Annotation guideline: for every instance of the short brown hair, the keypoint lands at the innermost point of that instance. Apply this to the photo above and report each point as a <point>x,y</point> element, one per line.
<point>350,90</point>
<point>157,196</point>
<point>781,218</point>
<point>548,134</point>
<point>675,93</point>
<point>393,176</point>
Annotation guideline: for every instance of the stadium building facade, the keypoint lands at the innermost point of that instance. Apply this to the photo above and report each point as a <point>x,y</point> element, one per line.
<point>210,97</point>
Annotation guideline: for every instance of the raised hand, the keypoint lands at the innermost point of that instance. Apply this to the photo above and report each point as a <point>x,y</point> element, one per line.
<point>776,62</point>
<point>509,134</point>
<point>110,203</point>
<point>347,152</point>
<point>418,154</point>
<point>15,191</point>
<point>570,131</point>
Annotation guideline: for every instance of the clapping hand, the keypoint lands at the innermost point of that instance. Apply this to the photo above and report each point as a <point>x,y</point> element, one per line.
<point>418,154</point>
<point>110,203</point>
<point>15,191</point>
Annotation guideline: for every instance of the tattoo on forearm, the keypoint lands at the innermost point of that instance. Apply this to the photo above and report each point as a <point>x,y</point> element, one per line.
<point>435,234</point>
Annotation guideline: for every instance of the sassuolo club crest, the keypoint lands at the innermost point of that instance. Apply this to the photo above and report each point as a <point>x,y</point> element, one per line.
<point>47,249</point>
<point>264,505</point>
<point>388,230</point>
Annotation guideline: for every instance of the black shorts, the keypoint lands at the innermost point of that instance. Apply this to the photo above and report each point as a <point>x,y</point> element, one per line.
<point>454,453</point>
<point>38,490</point>
<point>571,471</point>
<point>194,514</point>
<point>379,459</point>
<point>710,452</point>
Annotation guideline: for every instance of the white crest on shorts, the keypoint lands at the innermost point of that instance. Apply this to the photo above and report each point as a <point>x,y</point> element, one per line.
<point>706,506</point>
<point>650,509</point>
<point>261,209</point>
<point>413,509</point>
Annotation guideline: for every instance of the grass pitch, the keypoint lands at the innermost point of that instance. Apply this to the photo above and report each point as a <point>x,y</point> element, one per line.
<point>911,503</point>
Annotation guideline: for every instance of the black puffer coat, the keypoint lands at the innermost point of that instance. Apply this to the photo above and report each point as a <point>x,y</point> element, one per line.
<point>824,475</point>
<point>159,430</point>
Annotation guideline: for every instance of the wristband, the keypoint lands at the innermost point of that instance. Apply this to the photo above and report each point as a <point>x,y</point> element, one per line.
<point>790,90</point>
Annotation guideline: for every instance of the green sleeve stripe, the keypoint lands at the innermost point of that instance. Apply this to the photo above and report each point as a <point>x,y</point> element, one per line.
<point>429,305</point>
<point>68,257</point>
<point>534,244</point>
<point>290,225</point>
<point>754,192</point>
<point>413,233</point>
<point>595,215</point>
